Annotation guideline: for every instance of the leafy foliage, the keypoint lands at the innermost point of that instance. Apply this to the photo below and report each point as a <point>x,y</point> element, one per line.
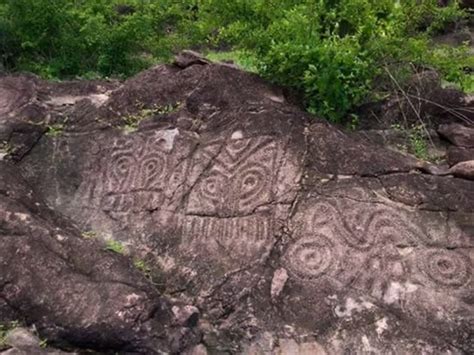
<point>58,38</point>
<point>335,52</point>
<point>243,59</point>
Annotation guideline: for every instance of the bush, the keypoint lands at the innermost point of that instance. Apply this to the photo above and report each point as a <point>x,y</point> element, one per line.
<point>61,38</point>
<point>335,51</point>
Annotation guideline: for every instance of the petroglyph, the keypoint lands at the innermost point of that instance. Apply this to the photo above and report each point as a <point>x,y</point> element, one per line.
<point>275,225</point>
<point>311,257</point>
<point>134,175</point>
<point>359,244</point>
<point>240,237</point>
<point>239,181</point>
<point>362,225</point>
<point>445,268</point>
<point>224,212</point>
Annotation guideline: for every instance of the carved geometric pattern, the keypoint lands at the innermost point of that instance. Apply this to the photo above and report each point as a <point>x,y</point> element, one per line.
<point>135,174</point>
<point>239,180</point>
<point>223,215</point>
<point>447,268</point>
<point>361,228</point>
<point>357,244</point>
<point>239,237</point>
<point>311,257</point>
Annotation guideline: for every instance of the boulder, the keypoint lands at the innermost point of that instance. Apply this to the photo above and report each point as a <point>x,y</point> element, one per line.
<point>264,229</point>
<point>459,135</point>
<point>458,155</point>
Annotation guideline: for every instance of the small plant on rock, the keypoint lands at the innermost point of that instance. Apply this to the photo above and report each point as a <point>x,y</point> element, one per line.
<point>416,140</point>
<point>143,266</point>
<point>54,130</point>
<point>115,246</point>
<point>5,149</point>
<point>43,343</point>
<point>133,121</point>
<point>418,144</point>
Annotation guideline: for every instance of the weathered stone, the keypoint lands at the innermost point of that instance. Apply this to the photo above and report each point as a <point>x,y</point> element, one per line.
<point>457,134</point>
<point>187,316</point>
<point>187,58</point>
<point>280,277</point>
<point>197,350</point>
<point>67,286</point>
<point>468,4</point>
<point>21,338</point>
<point>257,228</point>
<point>464,169</point>
<point>458,155</point>
<point>289,346</point>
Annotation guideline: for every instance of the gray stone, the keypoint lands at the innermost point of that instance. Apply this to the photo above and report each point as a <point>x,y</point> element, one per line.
<point>280,277</point>
<point>21,338</point>
<point>458,155</point>
<point>457,134</point>
<point>187,58</point>
<point>252,226</point>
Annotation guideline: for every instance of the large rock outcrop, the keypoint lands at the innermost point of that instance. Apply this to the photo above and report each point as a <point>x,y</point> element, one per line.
<point>283,233</point>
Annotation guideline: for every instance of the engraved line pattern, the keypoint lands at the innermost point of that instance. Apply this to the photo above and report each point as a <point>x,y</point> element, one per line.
<point>239,180</point>
<point>311,257</point>
<point>445,267</point>
<point>360,236</point>
<point>135,174</point>
<point>367,226</point>
<point>240,236</point>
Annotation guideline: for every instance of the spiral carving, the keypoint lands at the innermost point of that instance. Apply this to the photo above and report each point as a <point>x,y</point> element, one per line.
<point>311,257</point>
<point>446,267</point>
<point>239,181</point>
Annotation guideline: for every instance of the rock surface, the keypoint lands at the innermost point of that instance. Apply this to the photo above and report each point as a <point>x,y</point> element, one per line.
<point>459,135</point>
<point>264,230</point>
<point>23,342</point>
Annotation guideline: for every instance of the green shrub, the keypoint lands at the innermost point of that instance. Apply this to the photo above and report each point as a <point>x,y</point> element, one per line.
<point>243,59</point>
<point>60,38</point>
<point>335,51</point>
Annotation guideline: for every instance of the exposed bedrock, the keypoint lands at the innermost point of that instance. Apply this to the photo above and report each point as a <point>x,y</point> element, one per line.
<point>263,230</point>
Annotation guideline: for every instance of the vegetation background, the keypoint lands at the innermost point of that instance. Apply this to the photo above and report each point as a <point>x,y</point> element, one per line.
<point>337,54</point>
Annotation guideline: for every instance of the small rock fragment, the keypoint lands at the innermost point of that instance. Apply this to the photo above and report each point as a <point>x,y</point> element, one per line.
<point>458,155</point>
<point>187,58</point>
<point>197,350</point>
<point>21,338</point>
<point>278,282</point>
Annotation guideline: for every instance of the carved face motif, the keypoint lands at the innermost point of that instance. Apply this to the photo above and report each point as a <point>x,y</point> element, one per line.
<point>239,181</point>
<point>135,174</point>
